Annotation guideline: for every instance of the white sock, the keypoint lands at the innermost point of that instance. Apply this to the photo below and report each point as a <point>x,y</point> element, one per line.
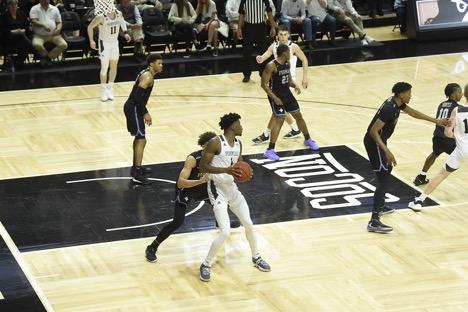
<point>423,173</point>
<point>422,197</point>
<point>294,127</point>
<point>208,45</point>
<point>266,132</point>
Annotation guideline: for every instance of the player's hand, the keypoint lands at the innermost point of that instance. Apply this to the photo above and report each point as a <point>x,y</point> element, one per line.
<point>278,101</point>
<point>127,37</point>
<point>259,59</point>
<point>148,120</point>
<point>390,158</point>
<point>204,178</point>
<point>92,45</point>
<point>297,89</point>
<point>235,172</point>
<point>305,83</point>
<point>239,33</point>
<point>443,122</point>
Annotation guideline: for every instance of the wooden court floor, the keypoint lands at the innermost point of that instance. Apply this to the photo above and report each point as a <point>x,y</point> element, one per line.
<point>329,264</point>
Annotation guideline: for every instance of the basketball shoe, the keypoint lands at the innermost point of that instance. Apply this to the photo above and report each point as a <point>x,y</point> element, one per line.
<point>205,272</point>
<point>261,264</point>
<point>262,138</point>
<point>415,205</point>
<point>292,134</point>
<point>150,254</point>
<point>420,180</point>
<point>376,226</point>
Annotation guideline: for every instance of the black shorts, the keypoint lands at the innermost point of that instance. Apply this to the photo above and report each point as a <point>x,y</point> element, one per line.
<point>135,122</point>
<point>290,105</point>
<point>376,156</point>
<point>186,195</point>
<point>443,145</point>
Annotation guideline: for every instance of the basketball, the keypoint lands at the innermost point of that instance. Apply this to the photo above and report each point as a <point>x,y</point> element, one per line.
<point>245,171</point>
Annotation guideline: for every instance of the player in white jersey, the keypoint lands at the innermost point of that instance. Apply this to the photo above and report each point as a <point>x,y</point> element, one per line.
<point>218,158</point>
<point>109,27</point>
<point>458,129</point>
<point>296,53</point>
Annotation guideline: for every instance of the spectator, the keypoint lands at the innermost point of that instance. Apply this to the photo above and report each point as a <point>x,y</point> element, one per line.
<point>344,11</point>
<point>134,23</point>
<point>47,26</point>
<point>400,9</point>
<point>375,6</point>
<point>16,27</point>
<point>183,16</point>
<point>144,4</point>
<point>232,14</point>
<point>206,14</point>
<point>317,13</point>
<point>293,13</point>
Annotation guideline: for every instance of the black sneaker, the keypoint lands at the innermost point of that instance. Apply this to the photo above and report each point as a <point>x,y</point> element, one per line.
<point>147,170</point>
<point>205,272</point>
<point>262,138</point>
<point>378,227</point>
<point>139,177</point>
<point>246,79</point>
<point>420,180</point>
<point>292,134</point>
<point>261,264</point>
<point>386,210</point>
<point>150,254</point>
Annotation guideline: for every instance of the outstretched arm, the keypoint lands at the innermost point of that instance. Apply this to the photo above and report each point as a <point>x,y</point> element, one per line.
<point>448,131</point>
<point>266,76</point>
<point>418,115</point>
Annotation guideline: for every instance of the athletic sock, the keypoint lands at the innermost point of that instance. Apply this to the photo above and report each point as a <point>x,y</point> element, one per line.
<point>294,127</point>
<point>271,146</point>
<point>306,136</point>
<point>267,132</point>
<point>375,215</point>
<point>421,197</point>
<point>423,173</point>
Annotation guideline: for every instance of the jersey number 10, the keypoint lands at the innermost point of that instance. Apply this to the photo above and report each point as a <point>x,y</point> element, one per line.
<point>443,113</point>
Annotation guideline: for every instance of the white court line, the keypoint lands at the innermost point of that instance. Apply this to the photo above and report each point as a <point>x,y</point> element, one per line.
<point>116,178</point>
<point>19,259</point>
<point>156,223</point>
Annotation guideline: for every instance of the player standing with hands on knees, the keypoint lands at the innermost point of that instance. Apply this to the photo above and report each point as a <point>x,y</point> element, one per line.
<point>218,159</point>
<point>381,158</point>
<point>109,20</point>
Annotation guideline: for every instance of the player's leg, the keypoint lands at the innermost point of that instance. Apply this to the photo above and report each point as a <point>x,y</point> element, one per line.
<point>265,136</point>
<point>104,57</point>
<point>136,127</point>
<point>240,208</point>
<point>295,132</point>
<point>421,178</point>
<point>114,60</point>
<point>296,113</point>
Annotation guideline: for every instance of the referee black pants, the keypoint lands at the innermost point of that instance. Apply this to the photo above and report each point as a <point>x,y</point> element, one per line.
<point>253,34</point>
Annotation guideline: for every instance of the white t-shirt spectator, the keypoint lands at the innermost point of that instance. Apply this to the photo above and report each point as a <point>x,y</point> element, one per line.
<point>50,18</point>
<point>211,10</point>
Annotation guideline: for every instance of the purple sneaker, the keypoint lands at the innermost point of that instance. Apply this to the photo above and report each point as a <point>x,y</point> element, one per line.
<point>312,144</point>
<point>271,154</point>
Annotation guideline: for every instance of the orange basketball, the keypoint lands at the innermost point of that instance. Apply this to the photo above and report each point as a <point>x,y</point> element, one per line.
<point>245,171</point>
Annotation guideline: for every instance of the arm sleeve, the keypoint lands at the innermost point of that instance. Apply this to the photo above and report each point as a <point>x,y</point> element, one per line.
<point>33,13</point>
<point>285,10</point>
<point>193,14</point>
<point>267,5</point>
<point>138,19</point>
<point>350,8</point>
<point>58,17</point>
<point>174,15</point>
<point>303,9</point>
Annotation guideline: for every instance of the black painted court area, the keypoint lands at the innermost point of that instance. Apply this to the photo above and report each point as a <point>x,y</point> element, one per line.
<point>49,211</point>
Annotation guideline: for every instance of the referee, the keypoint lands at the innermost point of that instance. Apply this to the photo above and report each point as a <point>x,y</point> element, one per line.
<point>252,28</point>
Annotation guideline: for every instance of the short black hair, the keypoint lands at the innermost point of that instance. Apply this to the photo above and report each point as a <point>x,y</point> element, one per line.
<point>283,28</point>
<point>450,88</point>
<point>153,57</point>
<point>401,87</point>
<point>228,119</point>
<point>205,137</point>
<point>281,49</point>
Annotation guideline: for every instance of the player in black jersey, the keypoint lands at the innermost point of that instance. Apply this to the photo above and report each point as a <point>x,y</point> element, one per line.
<point>440,143</point>
<point>137,115</point>
<point>375,141</point>
<point>276,80</point>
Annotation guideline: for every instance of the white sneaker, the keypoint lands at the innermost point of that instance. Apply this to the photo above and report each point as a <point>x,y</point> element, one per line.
<point>110,92</point>
<point>369,39</point>
<point>415,205</point>
<point>104,93</point>
<point>364,42</point>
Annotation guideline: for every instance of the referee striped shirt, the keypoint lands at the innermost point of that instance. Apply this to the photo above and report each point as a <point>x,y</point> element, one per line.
<point>254,10</point>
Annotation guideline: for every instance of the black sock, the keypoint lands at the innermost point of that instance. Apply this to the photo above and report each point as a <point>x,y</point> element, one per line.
<point>271,146</point>
<point>155,244</point>
<point>306,136</point>
<point>375,215</point>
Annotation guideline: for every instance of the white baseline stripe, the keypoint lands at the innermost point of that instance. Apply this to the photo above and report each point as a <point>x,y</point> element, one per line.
<point>117,178</point>
<point>19,259</point>
<point>156,223</point>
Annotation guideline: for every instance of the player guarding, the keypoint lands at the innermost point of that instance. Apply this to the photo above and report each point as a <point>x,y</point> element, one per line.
<point>109,21</point>
<point>295,53</point>
<point>458,129</point>
<point>441,143</point>
<point>218,158</point>
<point>137,115</point>
<point>276,80</point>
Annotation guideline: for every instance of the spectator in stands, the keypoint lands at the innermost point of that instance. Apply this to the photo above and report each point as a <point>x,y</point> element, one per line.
<point>293,13</point>
<point>183,16</point>
<point>47,27</point>
<point>132,18</point>
<point>232,14</point>
<point>375,6</point>
<point>207,18</point>
<point>16,27</point>
<point>344,11</point>
<point>317,13</point>
<point>400,9</point>
<point>144,4</point>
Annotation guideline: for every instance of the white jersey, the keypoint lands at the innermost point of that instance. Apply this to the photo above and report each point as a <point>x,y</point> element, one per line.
<point>292,58</point>
<point>109,29</point>
<point>461,128</point>
<point>227,157</point>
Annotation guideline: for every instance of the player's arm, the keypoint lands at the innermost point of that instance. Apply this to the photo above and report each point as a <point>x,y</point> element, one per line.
<point>240,152</point>
<point>213,148</point>
<point>266,76</point>
<point>418,115</point>
<point>145,81</point>
<point>123,25</point>
<point>95,22</point>
<point>374,132</point>
<point>183,181</point>
<point>305,64</point>
<point>448,131</point>
<point>262,58</point>
<point>293,84</point>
